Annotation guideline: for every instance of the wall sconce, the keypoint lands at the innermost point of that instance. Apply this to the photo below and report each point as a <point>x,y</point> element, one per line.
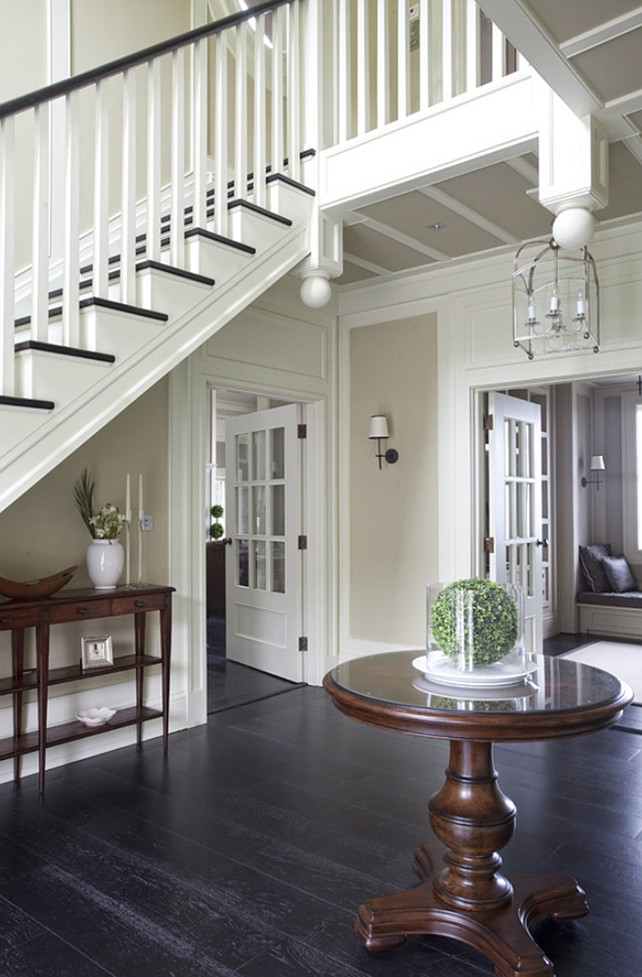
<point>597,465</point>
<point>379,433</point>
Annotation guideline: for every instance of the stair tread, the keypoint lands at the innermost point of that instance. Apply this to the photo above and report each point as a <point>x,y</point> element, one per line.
<point>86,354</point>
<point>26,402</point>
<point>123,307</point>
<point>220,239</point>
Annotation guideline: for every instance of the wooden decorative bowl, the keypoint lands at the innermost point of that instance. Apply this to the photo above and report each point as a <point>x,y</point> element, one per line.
<point>35,589</point>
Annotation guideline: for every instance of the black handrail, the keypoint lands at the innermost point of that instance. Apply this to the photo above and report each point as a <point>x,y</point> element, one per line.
<point>59,88</point>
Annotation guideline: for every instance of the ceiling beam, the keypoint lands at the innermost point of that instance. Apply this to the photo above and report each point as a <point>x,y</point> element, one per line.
<point>473,216</point>
<point>520,24</point>
<point>401,238</point>
<point>609,31</point>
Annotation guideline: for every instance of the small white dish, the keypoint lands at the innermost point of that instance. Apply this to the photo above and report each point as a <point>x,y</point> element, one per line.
<point>444,671</point>
<point>96,716</point>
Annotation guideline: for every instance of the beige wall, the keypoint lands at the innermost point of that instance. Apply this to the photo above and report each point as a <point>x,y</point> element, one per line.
<point>42,532</point>
<point>393,512</point>
<point>102,32</point>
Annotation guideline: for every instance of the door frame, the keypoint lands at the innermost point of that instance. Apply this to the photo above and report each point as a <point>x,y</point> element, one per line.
<point>189,388</point>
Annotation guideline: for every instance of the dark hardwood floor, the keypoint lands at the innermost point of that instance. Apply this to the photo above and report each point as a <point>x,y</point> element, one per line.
<point>248,849</point>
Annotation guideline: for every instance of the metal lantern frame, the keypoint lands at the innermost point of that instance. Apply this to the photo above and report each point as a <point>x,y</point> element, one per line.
<point>555,299</point>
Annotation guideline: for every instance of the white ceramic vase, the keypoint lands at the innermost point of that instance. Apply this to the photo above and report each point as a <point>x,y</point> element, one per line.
<point>105,559</point>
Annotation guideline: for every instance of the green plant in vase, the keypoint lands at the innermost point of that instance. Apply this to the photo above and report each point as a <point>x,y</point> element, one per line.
<point>487,632</point>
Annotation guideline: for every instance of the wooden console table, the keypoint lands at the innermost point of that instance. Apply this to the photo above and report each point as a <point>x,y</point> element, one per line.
<point>462,894</point>
<point>63,608</point>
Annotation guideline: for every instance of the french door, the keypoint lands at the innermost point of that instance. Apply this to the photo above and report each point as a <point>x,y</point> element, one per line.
<point>263,570</point>
<point>515,503</point>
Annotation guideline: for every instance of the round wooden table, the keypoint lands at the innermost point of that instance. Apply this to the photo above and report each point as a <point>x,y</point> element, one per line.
<point>462,894</point>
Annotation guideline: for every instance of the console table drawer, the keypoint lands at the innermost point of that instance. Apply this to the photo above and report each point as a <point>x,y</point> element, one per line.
<point>137,603</point>
<point>18,617</point>
<point>81,610</point>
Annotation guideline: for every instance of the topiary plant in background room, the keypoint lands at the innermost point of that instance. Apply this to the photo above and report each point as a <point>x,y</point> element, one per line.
<point>216,529</point>
<point>494,619</point>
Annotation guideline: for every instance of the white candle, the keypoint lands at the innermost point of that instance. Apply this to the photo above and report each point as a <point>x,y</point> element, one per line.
<point>128,499</point>
<point>141,510</point>
<point>531,312</point>
<point>580,303</point>
<point>554,301</point>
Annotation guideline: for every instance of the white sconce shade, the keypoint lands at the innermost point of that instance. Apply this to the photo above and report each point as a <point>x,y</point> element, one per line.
<point>596,465</point>
<point>379,426</point>
<point>379,432</point>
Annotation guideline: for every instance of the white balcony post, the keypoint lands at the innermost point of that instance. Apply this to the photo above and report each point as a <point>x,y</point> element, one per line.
<point>278,145</point>
<point>403,62</point>
<point>199,133</point>
<point>345,74</point>
<point>424,55</point>
<point>7,254</point>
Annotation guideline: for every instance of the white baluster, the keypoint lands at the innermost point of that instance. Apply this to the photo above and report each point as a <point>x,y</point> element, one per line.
<point>220,139</point>
<point>241,113</point>
<point>383,65</point>
<point>345,74</point>
<point>128,195</point>
<point>40,238</point>
<point>101,192</point>
<point>71,227</point>
<point>473,41</point>
<point>278,145</point>
<point>363,67</point>
<point>260,149</point>
<point>403,62</point>
<point>447,51</point>
<point>294,89</point>
<point>199,133</point>
<point>424,56</point>
<point>153,231</point>
<point>7,255</point>
<point>177,208</point>
<point>499,60</point>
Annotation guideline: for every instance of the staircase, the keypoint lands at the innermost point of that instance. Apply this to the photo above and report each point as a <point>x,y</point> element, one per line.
<point>116,291</point>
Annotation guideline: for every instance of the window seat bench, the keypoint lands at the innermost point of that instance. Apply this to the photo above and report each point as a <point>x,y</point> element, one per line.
<point>611,614</point>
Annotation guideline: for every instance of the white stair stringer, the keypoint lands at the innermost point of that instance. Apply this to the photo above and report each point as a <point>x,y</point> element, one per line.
<point>33,442</point>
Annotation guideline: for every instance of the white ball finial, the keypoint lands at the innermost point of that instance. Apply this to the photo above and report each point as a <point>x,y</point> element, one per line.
<point>573,228</point>
<point>316,291</point>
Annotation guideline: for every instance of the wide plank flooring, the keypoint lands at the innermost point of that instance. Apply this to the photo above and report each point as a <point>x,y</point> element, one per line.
<point>248,850</point>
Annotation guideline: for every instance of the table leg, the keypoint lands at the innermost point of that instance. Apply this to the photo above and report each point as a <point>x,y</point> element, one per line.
<point>17,652</point>
<point>42,660</point>
<point>140,624</point>
<point>462,895</point>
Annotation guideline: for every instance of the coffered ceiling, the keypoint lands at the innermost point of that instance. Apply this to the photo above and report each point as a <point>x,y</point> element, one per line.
<point>590,53</point>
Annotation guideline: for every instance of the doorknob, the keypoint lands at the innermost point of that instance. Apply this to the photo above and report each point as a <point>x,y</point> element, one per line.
<point>227,541</point>
<point>541,542</point>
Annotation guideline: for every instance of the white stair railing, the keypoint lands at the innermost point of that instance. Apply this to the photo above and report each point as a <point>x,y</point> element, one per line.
<point>393,59</point>
<point>171,108</point>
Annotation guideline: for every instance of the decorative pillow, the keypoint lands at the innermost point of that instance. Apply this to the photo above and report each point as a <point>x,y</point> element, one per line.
<point>591,563</point>
<point>619,574</point>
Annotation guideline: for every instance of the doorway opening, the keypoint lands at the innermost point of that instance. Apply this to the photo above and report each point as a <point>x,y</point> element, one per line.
<point>580,418</point>
<point>237,558</point>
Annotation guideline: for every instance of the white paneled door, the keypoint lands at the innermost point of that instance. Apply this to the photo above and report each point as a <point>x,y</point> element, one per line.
<point>263,573</point>
<point>515,503</point>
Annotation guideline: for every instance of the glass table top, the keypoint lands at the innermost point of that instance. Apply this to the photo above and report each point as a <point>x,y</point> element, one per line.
<point>555,685</point>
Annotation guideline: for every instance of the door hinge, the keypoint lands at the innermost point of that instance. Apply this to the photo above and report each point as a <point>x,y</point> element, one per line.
<point>489,544</point>
<point>302,431</point>
<point>303,542</point>
<point>489,422</point>
<point>303,643</point>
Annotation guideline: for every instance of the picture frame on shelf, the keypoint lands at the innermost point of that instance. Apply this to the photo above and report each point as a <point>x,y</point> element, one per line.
<point>96,651</point>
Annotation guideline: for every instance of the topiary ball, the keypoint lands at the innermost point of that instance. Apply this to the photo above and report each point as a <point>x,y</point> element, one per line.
<point>495,623</point>
<point>216,530</point>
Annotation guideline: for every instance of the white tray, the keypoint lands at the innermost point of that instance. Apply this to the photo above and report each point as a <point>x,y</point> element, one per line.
<point>444,671</point>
